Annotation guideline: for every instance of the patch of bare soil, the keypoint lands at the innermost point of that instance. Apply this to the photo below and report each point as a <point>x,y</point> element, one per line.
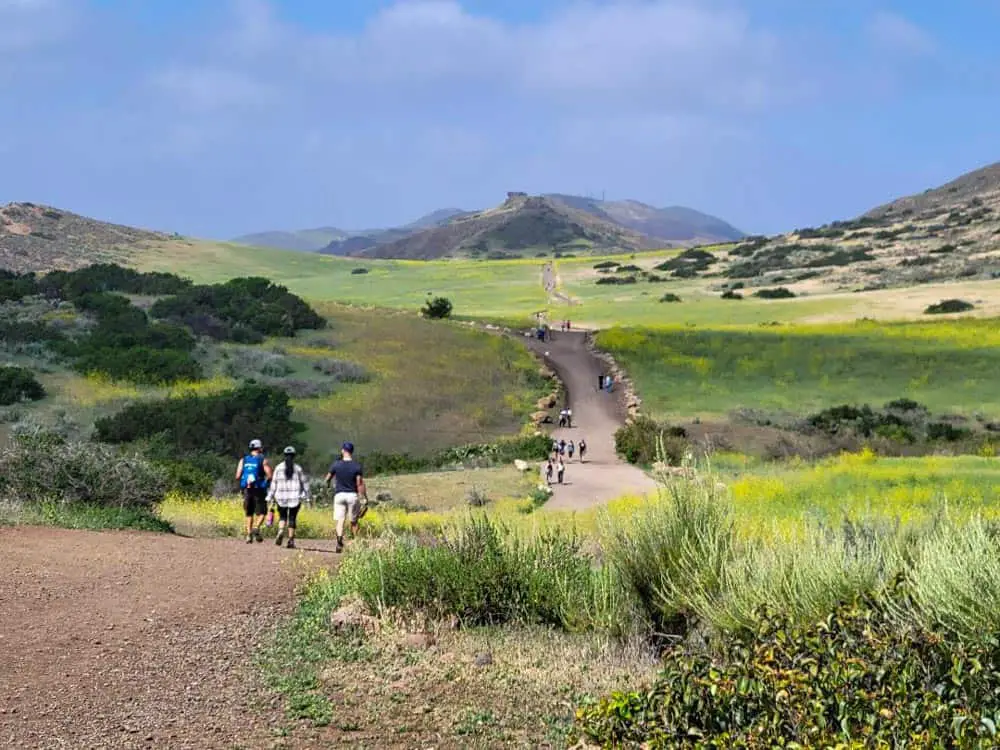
<point>133,640</point>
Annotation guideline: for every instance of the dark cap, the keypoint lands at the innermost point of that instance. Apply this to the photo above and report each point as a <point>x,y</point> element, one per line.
<point>348,446</point>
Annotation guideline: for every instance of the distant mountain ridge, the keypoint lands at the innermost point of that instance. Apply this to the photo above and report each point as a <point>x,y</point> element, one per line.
<point>623,219</point>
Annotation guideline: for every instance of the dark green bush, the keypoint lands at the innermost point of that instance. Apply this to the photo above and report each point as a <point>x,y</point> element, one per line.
<point>670,297</point>
<point>252,304</point>
<point>730,294</point>
<point>437,308</point>
<point>359,271</point>
<point>606,264</point>
<point>219,424</point>
<point>638,442</point>
<point>946,432</point>
<point>854,679</point>
<point>109,277</point>
<point>776,293</point>
<point>949,306</point>
<point>18,384</point>
<point>628,268</point>
<point>617,280</point>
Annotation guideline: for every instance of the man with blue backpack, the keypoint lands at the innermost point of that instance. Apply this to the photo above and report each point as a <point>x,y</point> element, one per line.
<point>254,474</point>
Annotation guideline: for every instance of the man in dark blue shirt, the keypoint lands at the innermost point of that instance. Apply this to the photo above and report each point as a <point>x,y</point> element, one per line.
<point>349,486</point>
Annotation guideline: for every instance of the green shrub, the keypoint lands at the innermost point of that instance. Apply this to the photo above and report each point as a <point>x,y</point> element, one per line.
<point>480,573</point>
<point>125,346</point>
<point>949,306</point>
<point>18,384</point>
<point>730,294</point>
<point>617,280</point>
<point>639,442</point>
<point>109,277</point>
<point>342,371</point>
<point>219,424</point>
<point>853,679</point>
<point>671,553</point>
<point>226,311</point>
<point>247,363</point>
<point>359,271</point>
<point>43,467</point>
<point>606,264</point>
<point>670,297</point>
<point>776,293</point>
<point>628,268</point>
<point>437,308</point>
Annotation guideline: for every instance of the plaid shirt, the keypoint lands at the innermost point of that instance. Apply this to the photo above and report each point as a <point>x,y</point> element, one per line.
<point>288,492</point>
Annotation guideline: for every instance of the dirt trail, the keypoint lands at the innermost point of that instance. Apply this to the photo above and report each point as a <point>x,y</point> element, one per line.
<point>596,417</point>
<point>134,640</point>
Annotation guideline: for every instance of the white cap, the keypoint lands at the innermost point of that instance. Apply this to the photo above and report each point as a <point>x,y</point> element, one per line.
<point>255,443</point>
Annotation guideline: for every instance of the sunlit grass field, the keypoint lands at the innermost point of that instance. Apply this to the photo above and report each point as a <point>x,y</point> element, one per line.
<point>950,366</point>
<point>433,385</point>
<point>511,290</point>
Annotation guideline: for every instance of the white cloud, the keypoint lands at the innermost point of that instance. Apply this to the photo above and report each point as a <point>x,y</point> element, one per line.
<point>668,56</point>
<point>893,33</point>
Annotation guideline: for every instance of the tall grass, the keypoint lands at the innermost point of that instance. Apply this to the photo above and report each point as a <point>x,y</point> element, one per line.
<point>679,564</point>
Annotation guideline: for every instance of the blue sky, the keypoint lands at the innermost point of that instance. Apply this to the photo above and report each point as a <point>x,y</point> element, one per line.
<point>224,117</point>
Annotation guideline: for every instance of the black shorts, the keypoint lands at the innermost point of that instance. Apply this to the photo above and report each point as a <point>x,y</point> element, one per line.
<point>288,515</point>
<point>254,501</point>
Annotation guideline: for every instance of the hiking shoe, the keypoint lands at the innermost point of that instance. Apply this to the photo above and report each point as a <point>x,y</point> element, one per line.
<point>291,544</point>
<point>340,545</point>
<point>258,536</point>
<point>249,538</point>
<point>281,535</point>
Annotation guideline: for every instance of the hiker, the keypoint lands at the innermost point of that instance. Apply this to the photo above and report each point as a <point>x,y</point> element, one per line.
<point>608,383</point>
<point>600,382</point>
<point>570,448</point>
<point>288,489</point>
<point>548,471</point>
<point>567,325</point>
<point>569,417</point>
<point>348,488</point>
<point>560,469</point>
<point>563,418</point>
<point>583,448</point>
<point>253,472</point>
<point>562,447</point>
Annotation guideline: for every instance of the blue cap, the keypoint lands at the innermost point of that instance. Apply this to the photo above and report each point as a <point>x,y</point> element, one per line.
<point>348,446</point>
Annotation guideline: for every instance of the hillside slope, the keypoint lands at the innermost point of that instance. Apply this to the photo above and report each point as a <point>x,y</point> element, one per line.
<point>521,224</point>
<point>673,224</point>
<point>39,238</point>
<point>944,234</point>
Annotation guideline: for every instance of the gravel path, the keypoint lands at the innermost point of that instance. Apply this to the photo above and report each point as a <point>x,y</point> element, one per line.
<point>135,640</point>
<point>596,417</point>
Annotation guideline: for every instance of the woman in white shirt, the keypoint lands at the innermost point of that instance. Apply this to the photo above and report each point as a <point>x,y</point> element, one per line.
<point>288,488</point>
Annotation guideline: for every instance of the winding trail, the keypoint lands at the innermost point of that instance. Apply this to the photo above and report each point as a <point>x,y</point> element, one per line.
<point>596,416</point>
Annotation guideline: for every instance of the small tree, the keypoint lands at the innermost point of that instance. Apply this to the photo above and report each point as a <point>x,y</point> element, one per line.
<point>437,308</point>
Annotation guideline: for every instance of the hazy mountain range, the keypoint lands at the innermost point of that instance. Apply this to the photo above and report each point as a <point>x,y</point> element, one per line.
<point>522,223</point>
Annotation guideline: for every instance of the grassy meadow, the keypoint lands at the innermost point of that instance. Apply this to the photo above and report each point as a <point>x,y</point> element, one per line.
<point>511,289</point>
<point>683,372</point>
<point>427,385</point>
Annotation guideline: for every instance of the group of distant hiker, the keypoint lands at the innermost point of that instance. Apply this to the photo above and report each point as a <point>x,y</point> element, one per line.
<point>562,450</point>
<point>286,488</point>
